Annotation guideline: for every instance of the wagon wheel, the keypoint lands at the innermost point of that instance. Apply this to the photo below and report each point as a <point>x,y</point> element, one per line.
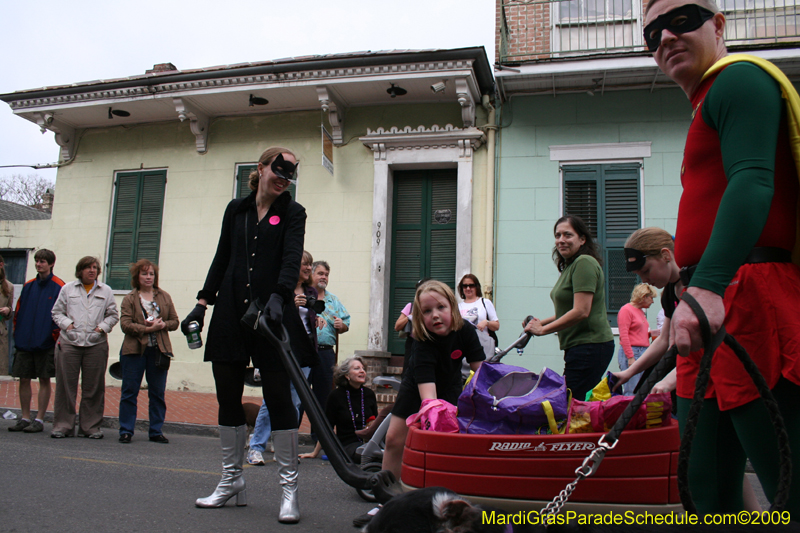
<point>366,494</point>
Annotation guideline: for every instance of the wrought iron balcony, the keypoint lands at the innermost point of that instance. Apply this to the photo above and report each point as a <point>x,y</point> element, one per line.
<point>532,30</point>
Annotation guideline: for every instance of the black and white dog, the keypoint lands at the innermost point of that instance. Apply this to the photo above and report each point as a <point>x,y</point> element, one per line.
<point>440,510</point>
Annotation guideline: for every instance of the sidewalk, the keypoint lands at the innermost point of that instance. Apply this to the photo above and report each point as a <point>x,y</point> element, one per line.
<point>187,412</point>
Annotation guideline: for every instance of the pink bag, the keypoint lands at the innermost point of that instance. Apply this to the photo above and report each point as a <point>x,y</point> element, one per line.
<point>435,415</point>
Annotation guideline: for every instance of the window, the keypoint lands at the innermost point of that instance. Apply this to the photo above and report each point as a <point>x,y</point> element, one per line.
<point>136,223</point>
<point>607,198</point>
<point>243,179</point>
<point>596,25</point>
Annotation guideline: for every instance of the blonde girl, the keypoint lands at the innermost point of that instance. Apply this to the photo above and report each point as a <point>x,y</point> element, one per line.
<point>442,340</point>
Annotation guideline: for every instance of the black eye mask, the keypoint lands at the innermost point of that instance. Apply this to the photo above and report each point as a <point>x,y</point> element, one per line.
<point>684,19</point>
<point>634,259</point>
<point>284,169</point>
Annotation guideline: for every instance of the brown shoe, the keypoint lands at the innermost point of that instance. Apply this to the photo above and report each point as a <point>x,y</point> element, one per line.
<point>34,427</point>
<point>20,425</point>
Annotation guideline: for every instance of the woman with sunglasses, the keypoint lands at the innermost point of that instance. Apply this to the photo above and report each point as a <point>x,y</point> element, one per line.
<point>258,258</point>
<point>479,312</point>
<point>735,231</point>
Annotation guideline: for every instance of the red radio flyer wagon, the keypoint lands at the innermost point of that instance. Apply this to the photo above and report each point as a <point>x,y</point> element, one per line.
<point>525,472</point>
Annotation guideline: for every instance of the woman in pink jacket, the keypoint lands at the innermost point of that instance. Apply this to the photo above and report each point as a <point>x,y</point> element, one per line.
<point>634,331</point>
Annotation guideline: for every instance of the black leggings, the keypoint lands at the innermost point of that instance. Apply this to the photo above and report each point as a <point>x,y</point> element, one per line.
<point>229,379</point>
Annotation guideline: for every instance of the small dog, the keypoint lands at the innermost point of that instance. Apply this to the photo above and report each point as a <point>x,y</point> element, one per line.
<point>250,416</point>
<point>440,510</point>
<point>432,509</point>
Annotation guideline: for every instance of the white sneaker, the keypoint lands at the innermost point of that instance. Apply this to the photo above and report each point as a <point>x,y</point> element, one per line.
<point>254,457</point>
<point>270,447</point>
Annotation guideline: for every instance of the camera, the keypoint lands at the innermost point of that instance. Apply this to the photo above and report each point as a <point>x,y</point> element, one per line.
<point>317,305</point>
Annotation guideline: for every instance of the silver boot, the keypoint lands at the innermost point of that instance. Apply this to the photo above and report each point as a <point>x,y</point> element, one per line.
<point>285,443</point>
<point>232,483</point>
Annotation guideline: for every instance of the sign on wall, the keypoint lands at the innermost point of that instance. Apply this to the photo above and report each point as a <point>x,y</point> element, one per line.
<point>327,150</point>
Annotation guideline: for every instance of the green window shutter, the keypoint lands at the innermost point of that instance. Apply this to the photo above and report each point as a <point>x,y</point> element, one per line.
<point>408,236</point>
<point>606,197</point>
<point>148,238</point>
<point>123,227</point>
<point>443,216</point>
<point>243,181</point>
<point>622,217</point>
<point>407,245</point>
<point>581,186</point>
<point>136,224</point>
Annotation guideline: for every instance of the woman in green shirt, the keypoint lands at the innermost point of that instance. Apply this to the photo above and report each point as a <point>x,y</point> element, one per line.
<point>580,305</point>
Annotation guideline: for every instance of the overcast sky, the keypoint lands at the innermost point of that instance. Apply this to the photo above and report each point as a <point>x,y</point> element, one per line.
<point>49,42</point>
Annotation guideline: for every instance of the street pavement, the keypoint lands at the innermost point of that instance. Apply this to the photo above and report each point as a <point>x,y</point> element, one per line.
<point>80,485</point>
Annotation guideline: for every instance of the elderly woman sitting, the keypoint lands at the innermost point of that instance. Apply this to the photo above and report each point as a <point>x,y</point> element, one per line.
<point>350,406</point>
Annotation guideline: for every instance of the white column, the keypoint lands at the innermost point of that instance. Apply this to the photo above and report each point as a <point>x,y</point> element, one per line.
<point>464,220</point>
<point>381,255</point>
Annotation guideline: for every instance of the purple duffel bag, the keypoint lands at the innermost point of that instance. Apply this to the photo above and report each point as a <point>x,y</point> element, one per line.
<point>507,400</point>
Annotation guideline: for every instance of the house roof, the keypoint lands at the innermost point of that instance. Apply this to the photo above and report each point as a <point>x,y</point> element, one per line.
<point>12,211</point>
<point>276,66</point>
<point>332,83</point>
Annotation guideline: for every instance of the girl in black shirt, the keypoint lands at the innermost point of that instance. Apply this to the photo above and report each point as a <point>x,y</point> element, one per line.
<point>442,341</point>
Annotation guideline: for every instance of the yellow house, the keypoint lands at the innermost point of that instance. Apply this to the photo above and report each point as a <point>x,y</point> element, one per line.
<point>395,175</point>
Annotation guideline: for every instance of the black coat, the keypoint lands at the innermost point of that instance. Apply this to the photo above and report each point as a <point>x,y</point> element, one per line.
<point>275,248</point>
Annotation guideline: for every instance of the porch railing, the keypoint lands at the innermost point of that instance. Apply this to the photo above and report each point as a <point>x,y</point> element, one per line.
<point>547,29</point>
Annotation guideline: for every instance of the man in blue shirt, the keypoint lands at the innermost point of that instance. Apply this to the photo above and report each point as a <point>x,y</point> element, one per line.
<point>334,320</point>
<point>35,336</point>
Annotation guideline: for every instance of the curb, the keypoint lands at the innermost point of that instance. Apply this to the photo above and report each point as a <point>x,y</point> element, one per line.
<point>170,428</point>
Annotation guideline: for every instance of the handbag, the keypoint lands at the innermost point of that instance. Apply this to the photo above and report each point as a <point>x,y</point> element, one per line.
<point>163,359</point>
<point>407,329</point>
<point>435,415</point>
<point>492,334</point>
<point>253,313</point>
<point>508,400</point>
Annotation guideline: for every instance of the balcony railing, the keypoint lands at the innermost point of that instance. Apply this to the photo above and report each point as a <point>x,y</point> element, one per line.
<point>547,29</point>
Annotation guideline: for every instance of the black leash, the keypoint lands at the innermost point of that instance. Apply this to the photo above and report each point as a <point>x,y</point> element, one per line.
<point>710,346</point>
<point>664,367</point>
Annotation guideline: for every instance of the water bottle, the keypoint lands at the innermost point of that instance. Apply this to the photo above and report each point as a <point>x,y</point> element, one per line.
<point>193,337</point>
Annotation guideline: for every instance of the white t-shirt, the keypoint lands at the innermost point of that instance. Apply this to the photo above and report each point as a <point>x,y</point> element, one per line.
<point>476,312</point>
<point>660,319</point>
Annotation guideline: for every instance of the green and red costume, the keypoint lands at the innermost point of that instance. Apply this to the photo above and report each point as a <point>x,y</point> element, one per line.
<point>740,190</point>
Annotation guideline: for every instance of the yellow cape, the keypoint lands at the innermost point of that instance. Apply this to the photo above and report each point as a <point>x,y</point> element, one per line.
<point>789,94</point>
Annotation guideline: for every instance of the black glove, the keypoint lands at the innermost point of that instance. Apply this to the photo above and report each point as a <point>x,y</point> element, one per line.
<point>274,309</point>
<point>195,315</point>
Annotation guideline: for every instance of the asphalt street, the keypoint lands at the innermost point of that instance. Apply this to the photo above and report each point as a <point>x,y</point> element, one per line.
<point>79,484</point>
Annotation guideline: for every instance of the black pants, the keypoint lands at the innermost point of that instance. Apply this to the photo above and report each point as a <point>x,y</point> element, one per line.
<point>229,379</point>
<point>584,366</point>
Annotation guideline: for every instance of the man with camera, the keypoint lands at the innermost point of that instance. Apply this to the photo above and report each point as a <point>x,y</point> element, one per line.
<point>334,320</point>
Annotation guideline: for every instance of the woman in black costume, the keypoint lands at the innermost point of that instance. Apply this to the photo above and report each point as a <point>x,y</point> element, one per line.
<point>258,257</point>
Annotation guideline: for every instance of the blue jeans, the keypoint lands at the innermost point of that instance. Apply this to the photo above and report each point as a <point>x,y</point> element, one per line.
<point>263,428</point>
<point>628,386</point>
<point>133,367</point>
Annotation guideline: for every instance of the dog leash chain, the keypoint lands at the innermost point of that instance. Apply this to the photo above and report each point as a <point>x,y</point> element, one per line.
<point>587,468</point>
